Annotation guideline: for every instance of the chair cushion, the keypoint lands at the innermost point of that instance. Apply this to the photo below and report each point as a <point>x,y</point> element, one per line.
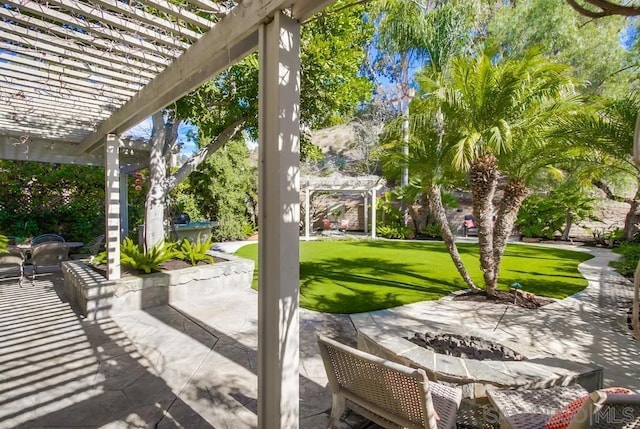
<point>561,418</point>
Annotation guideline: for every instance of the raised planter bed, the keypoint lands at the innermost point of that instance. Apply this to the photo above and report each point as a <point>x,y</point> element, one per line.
<point>96,297</point>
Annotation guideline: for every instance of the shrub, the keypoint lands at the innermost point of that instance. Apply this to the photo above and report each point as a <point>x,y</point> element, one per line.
<point>630,254</point>
<point>433,230</point>
<point>607,237</point>
<point>395,232</point>
<point>4,243</point>
<point>134,256</point>
<point>194,252</point>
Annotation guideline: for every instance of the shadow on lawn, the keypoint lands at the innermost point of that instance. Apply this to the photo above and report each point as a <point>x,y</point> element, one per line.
<point>432,246</point>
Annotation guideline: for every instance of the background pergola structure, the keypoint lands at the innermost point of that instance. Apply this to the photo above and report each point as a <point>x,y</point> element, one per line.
<point>367,185</point>
<point>76,74</point>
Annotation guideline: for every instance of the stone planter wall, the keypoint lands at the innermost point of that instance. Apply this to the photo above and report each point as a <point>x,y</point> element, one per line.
<point>96,297</point>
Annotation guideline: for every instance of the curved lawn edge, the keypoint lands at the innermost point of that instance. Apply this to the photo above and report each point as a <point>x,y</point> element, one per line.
<point>355,276</point>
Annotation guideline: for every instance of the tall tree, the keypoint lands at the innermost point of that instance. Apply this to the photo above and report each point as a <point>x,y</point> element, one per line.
<point>591,47</point>
<point>411,34</point>
<point>430,162</point>
<point>494,109</point>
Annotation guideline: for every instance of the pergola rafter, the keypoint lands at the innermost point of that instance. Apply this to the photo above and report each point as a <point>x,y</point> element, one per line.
<point>46,46</point>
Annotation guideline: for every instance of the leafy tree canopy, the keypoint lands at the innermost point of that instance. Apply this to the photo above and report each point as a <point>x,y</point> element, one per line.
<point>591,47</point>
<point>332,53</point>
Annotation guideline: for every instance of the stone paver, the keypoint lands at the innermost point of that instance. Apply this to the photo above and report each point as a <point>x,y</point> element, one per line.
<point>193,365</point>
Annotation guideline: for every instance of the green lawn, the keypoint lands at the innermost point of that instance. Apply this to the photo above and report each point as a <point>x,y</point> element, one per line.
<point>366,275</point>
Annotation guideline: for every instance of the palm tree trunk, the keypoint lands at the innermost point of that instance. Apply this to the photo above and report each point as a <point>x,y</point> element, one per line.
<point>514,195</point>
<point>632,217</point>
<point>483,178</point>
<point>438,211</point>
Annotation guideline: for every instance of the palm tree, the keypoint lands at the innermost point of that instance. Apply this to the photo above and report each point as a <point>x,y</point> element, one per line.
<point>492,105</point>
<point>412,32</point>
<point>430,164</point>
<point>433,33</point>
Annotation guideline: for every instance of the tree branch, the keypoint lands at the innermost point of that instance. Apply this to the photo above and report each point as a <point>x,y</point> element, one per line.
<point>333,12</point>
<point>609,193</point>
<point>171,136</point>
<point>197,158</point>
<point>606,8</point>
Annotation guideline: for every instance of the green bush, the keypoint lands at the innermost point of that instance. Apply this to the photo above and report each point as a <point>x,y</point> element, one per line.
<point>629,256</point>
<point>133,255</point>
<point>194,252</point>
<point>545,215</point>
<point>4,243</point>
<point>395,231</point>
<point>607,237</point>
<point>433,230</point>
<point>540,217</point>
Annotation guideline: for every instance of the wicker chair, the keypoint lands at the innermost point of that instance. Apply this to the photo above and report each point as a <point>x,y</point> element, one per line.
<point>14,258</point>
<point>45,238</point>
<point>532,409</point>
<point>49,253</point>
<point>387,393</point>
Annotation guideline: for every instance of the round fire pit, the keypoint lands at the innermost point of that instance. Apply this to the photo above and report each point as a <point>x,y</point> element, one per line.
<point>475,376</point>
<point>466,347</point>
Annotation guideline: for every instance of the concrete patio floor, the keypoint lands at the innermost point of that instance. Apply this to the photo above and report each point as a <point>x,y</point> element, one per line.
<point>193,365</point>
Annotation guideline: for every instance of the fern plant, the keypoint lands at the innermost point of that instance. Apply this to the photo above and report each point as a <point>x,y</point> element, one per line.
<point>194,252</point>
<point>133,255</point>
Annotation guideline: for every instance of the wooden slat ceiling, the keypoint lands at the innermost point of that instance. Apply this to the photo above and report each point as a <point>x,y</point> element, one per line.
<point>73,71</point>
<point>67,65</point>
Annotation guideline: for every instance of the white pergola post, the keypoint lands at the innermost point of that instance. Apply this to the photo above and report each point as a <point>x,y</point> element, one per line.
<point>374,204</point>
<point>112,205</point>
<point>279,128</point>
<point>124,206</point>
<point>366,214</point>
<point>307,215</point>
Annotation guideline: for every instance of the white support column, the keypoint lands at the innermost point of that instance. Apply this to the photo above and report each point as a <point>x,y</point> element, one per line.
<point>307,215</point>
<point>279,126</point>
<point>124,206</point>
<point>366,214</point>
<point>112,205</point>
<point>374,204</point>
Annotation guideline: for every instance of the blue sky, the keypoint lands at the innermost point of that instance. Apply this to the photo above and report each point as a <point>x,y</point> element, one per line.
<point>143,130</point>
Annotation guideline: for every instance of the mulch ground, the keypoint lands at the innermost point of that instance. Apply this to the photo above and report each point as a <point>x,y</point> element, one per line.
<point>520,299</point>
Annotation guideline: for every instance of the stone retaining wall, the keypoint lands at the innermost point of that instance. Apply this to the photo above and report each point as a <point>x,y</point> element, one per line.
<point>96,297</point>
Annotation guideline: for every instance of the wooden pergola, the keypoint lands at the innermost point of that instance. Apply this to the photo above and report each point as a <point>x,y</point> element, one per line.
<point>367,186</point>
<point>76,74</point>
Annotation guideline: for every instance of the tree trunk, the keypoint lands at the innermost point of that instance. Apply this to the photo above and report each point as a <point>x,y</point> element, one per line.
<point>632,217</point>
<point>438,211</point>
<point>413,214</point>
<point>568,222</point>
<point>483,178</point>
<point>514,195</point>
<point>156,196</point>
